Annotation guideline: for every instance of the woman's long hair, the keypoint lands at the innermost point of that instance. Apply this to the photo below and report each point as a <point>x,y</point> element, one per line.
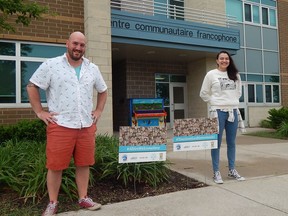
<point>232,70</point>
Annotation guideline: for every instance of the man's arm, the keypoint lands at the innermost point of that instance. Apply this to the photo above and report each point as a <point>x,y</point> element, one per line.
<point>34,98</point>
<point>101,101</point>
<point>35,101</point>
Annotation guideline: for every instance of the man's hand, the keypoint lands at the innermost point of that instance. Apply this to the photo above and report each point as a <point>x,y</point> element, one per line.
<point>47,117</point>
<point>95,116</point>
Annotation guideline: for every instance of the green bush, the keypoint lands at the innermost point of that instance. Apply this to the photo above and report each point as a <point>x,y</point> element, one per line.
<point>24,130</point>
<point>265,124</point>
<point>30,130</point>
<point>277,116</point>
<point>283,129</point>
<point>6,133</point>
<point>107,166</point>
<point>23,158</point>
<point>22,168</point>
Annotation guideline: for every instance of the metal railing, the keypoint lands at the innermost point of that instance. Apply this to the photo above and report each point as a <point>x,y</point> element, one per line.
<point>153,8</point>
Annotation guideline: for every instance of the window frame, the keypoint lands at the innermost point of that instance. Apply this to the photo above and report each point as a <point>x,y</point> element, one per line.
<point>18,59</point>
<point>260,11</point>
<point>264,94</point>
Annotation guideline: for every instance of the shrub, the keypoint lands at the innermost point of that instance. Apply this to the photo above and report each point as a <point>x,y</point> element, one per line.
<point>24,130</point>
<point>6,133</point>
<point>22,163</point>
<point>283,129</point>
<point>22,168</point>
<point>276,117</point>
<point>107,166</point>
<point>30,130</point>
<point>265,124</point>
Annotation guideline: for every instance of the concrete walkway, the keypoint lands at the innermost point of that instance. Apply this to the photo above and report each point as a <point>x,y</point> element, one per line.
<point>262,161</point>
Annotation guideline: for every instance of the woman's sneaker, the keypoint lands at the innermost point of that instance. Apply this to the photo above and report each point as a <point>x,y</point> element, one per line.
<point>51,209</point>
<point>217,177</point>
<point>88,203</point>
<point>234,174</point>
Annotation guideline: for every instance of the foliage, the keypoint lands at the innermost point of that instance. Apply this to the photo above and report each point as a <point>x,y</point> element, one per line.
<point>277,116</point>
<point>283,129</point>
<point>22,168</point>
<point>24,11</point>
<point>6,133</point>
<point>22,163</point>
<point>265,124</point>
<point>265,133</point>
<point>152,173</point>
<point>24,130</point>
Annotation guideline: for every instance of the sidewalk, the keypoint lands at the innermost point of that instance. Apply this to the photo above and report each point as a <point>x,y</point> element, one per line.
<point>264,163</point>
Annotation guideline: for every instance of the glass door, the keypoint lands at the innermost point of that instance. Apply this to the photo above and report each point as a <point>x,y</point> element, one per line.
<point>178,101</point>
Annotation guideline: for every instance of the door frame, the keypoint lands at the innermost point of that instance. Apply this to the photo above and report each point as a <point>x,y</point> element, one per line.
<point>174,106</point>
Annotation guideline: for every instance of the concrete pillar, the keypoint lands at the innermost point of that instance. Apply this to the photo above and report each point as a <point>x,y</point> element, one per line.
<point>97,16</point>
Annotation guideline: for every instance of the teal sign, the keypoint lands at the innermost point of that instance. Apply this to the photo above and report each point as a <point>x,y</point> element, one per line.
<point>150,28</point>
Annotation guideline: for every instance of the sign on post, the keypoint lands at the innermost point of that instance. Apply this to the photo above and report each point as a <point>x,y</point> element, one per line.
<point>195,134</point>
<point>142,144</point>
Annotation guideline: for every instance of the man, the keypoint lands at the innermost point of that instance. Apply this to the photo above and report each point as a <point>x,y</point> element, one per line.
<point>69,81</point>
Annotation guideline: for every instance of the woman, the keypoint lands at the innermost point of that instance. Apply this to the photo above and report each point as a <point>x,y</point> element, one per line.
<point>221,89</point>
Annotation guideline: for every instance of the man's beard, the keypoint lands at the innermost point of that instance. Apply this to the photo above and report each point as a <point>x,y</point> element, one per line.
<point>75,58</point>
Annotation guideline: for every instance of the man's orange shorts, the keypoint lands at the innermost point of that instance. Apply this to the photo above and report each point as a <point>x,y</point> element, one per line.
<point>64,143</point>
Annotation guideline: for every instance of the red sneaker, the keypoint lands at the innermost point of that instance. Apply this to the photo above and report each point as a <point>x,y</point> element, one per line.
<point>88,203</point>
<point>51,209</point>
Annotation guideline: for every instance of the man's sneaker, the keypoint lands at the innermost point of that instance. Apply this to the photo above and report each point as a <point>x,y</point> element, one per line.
<point>217,177</point>
<point>88,203</point>
<point>234,174</point>
<point>51,209</point>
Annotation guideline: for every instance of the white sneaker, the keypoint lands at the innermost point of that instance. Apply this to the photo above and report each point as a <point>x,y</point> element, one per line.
<point>234,174</point>
<point>217,177</point>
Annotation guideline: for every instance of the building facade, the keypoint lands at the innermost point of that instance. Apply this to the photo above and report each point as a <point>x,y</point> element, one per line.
<point>155,48</point>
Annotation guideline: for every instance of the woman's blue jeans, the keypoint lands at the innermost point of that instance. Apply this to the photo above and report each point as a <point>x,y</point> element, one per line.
<point>231,131</point>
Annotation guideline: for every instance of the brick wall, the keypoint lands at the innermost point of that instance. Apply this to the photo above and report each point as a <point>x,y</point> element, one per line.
<point>13,115</point>
<point>136,79</point>
<point>52,29</point>
<point>141,76</point>
<point>66,17</point>
<point>283,41</point>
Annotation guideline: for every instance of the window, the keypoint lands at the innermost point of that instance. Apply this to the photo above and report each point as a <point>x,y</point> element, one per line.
<point>276,95</point>
<point>272,17</point>
<point>272,93</point>
<point>248,13</point>
<point>251,93</point>
<point>259,93</point>
<point>18,61</point>
<point>256,93</point>
<point>265,16</point>
<point>7,49</point>
<point>7,81</point>
<point>252,14</point>
<point>256,17</point>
